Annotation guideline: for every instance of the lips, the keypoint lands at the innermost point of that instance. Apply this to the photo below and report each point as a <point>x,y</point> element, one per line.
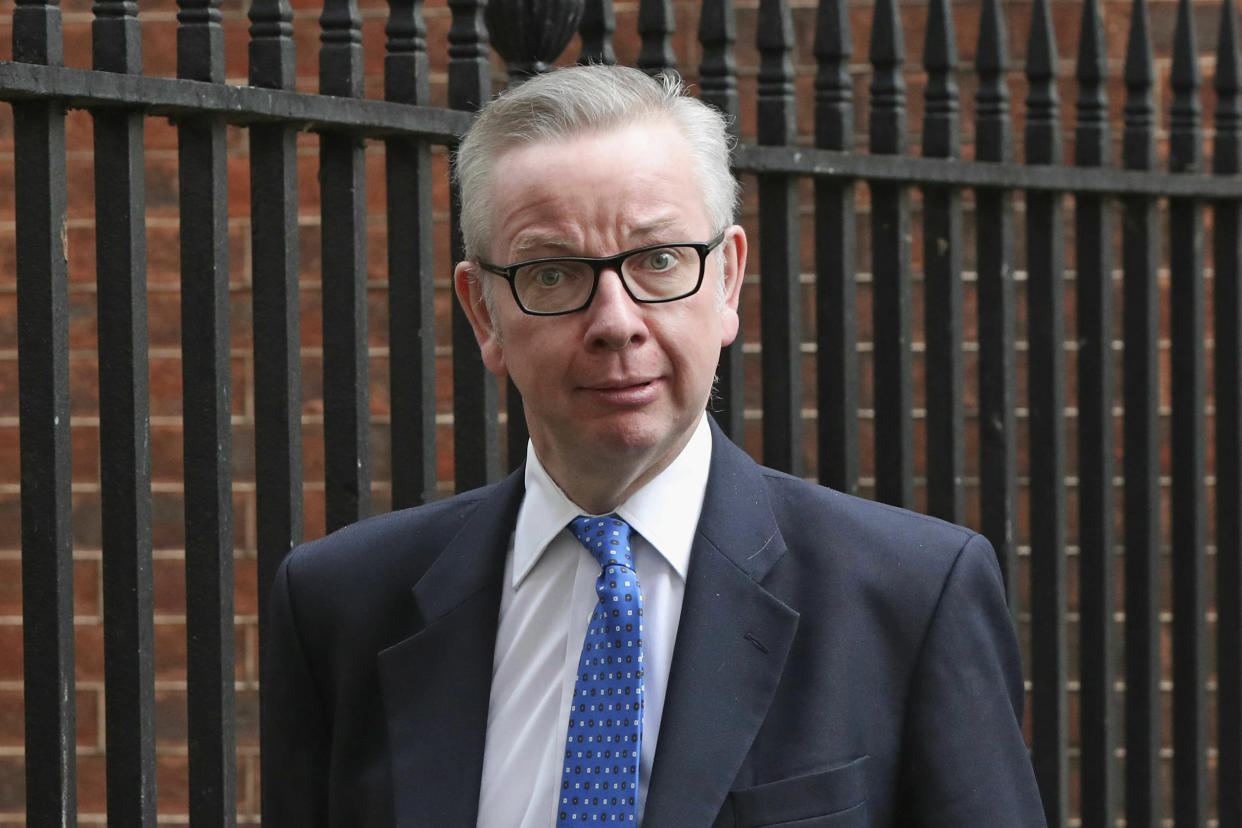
<point>625,392</point>
<point>619,385</point>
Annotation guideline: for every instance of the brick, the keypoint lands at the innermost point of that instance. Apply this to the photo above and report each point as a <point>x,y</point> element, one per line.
<point>245,587</point>
<point>10,652</point>
<point>88,647</point>
<point>12,783</point>
<point>83,385</point>
<point>171,728</point>
<point>172,781</point>
<point>12,718</point>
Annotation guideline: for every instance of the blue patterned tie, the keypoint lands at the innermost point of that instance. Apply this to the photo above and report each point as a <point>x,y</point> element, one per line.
<point>600,779</point>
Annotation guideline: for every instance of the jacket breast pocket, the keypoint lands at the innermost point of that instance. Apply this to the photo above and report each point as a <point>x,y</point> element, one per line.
<point>834,798</point>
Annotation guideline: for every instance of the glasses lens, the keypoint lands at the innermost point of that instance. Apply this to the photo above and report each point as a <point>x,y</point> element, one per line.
<point>662,272</point>
<point>553,286</point>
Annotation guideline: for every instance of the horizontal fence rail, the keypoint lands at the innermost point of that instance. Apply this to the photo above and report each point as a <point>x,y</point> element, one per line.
<point>1030,323</point>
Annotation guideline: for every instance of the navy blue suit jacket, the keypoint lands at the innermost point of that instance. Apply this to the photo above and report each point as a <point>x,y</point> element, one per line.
<point>838,663</point>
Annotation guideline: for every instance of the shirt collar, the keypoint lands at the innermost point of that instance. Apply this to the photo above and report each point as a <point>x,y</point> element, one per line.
<point>665,511</point>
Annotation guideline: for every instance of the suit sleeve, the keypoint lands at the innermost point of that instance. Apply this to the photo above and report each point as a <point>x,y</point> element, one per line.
<point>965,763</point>
<point>296,735</point>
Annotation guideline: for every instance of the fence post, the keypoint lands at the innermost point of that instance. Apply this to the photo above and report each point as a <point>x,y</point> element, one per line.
<point>780,288</point>
<point>942,274</point>
<point>836,241</point>
<point>1141,369</point>
<point>343,242</point>
<point>124,429</point>
<point>890,268</point>
<point>1227,304</point>
<point>43,405</point>
<point>1094,229</point>
<point>718,87</point>
<point>206,412</point>
<point>1187,439</point>
<point>476,446</point>
<point>1046,369</point>
<point>994,248</point>
<point>411,267</point>
<point>276,311</point>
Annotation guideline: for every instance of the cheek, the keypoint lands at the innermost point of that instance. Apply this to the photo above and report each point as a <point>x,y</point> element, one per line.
<point>535,361</point>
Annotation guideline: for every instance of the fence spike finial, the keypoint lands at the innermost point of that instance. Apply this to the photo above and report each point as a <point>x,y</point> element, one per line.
<point>116,39</point>
<point>1185,137</point>
<point>1043,120</point>
<point>200,41</point>
<point>340,51</point>
<point>718,69</point>
<point>774,38</point>
<point>531,35</point>
<point>834,90</point>
<point>1228,78</point>
<point>993,135</point>
<point>37,32</point>
<point>598,23</point>
<point>271,44</point>
<point>469,71</point>
<point>941,131</point>
<point>406,64</point>
<point>1139,140</point>
<point>888,85</point>
<point>1227,145</point>
<point>655,27</point>
<point>1092,129</point>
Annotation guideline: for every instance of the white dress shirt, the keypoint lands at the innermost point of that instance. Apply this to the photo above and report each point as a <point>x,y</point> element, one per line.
<point>547,598</point>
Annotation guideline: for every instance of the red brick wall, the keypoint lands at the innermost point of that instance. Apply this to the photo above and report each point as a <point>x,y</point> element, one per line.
<point>163,273</point>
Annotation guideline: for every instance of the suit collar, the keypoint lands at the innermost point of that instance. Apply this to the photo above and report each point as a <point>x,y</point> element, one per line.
<point>437,683</point>
<point>733,634</point>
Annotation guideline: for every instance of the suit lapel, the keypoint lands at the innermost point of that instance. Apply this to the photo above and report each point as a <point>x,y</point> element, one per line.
<point>731,647</point>
<point>437,683</point>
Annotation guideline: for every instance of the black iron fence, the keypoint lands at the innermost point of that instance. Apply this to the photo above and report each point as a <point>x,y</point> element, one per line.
<point>943,419</point>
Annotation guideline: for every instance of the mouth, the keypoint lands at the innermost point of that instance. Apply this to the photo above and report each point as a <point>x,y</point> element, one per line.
<point>629,391</point>
<point>620,385</point>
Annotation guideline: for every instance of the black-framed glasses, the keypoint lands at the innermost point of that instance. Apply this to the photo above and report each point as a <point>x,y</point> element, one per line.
<point>651,274</point>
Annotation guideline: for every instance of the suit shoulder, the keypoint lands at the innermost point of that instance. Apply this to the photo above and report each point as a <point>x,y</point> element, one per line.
<point>799,493</point>
<point>385,545</point>
<point>879,531</point>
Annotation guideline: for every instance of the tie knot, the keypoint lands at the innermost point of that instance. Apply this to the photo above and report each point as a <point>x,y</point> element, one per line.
<point>607,538</point>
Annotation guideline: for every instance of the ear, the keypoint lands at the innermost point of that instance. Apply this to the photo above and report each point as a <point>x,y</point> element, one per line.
<point>468,284</point>
<point>734,253</point>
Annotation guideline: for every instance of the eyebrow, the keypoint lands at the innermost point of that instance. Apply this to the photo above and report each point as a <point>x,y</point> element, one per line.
<point>526,244</point>
<point>641,236</point>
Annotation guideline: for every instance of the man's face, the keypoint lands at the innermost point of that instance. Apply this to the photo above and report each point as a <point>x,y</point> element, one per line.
<point>617,388</point>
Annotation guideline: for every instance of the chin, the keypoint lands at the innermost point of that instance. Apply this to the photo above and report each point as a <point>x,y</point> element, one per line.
<point>628,435</point>
<point>636,436</point>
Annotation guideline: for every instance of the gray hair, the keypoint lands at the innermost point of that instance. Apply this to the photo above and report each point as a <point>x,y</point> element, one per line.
<point>578,99</point>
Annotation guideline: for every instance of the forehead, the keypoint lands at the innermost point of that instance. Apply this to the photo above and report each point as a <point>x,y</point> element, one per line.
<point>605,189</point>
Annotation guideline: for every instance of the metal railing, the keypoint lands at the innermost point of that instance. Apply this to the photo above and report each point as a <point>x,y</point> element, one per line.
<point>957,394</point>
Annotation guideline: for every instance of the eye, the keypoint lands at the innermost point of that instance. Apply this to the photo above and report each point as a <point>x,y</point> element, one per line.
<point>659,260</point>
<point>548,277</point>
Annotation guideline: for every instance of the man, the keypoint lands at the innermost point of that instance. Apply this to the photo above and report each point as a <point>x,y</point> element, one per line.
<point>733,646</point>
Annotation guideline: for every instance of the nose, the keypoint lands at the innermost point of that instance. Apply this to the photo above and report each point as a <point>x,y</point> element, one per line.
<point>614,320</point>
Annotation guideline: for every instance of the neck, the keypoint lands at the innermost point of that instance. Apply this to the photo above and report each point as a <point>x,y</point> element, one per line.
<point>599,494</point>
